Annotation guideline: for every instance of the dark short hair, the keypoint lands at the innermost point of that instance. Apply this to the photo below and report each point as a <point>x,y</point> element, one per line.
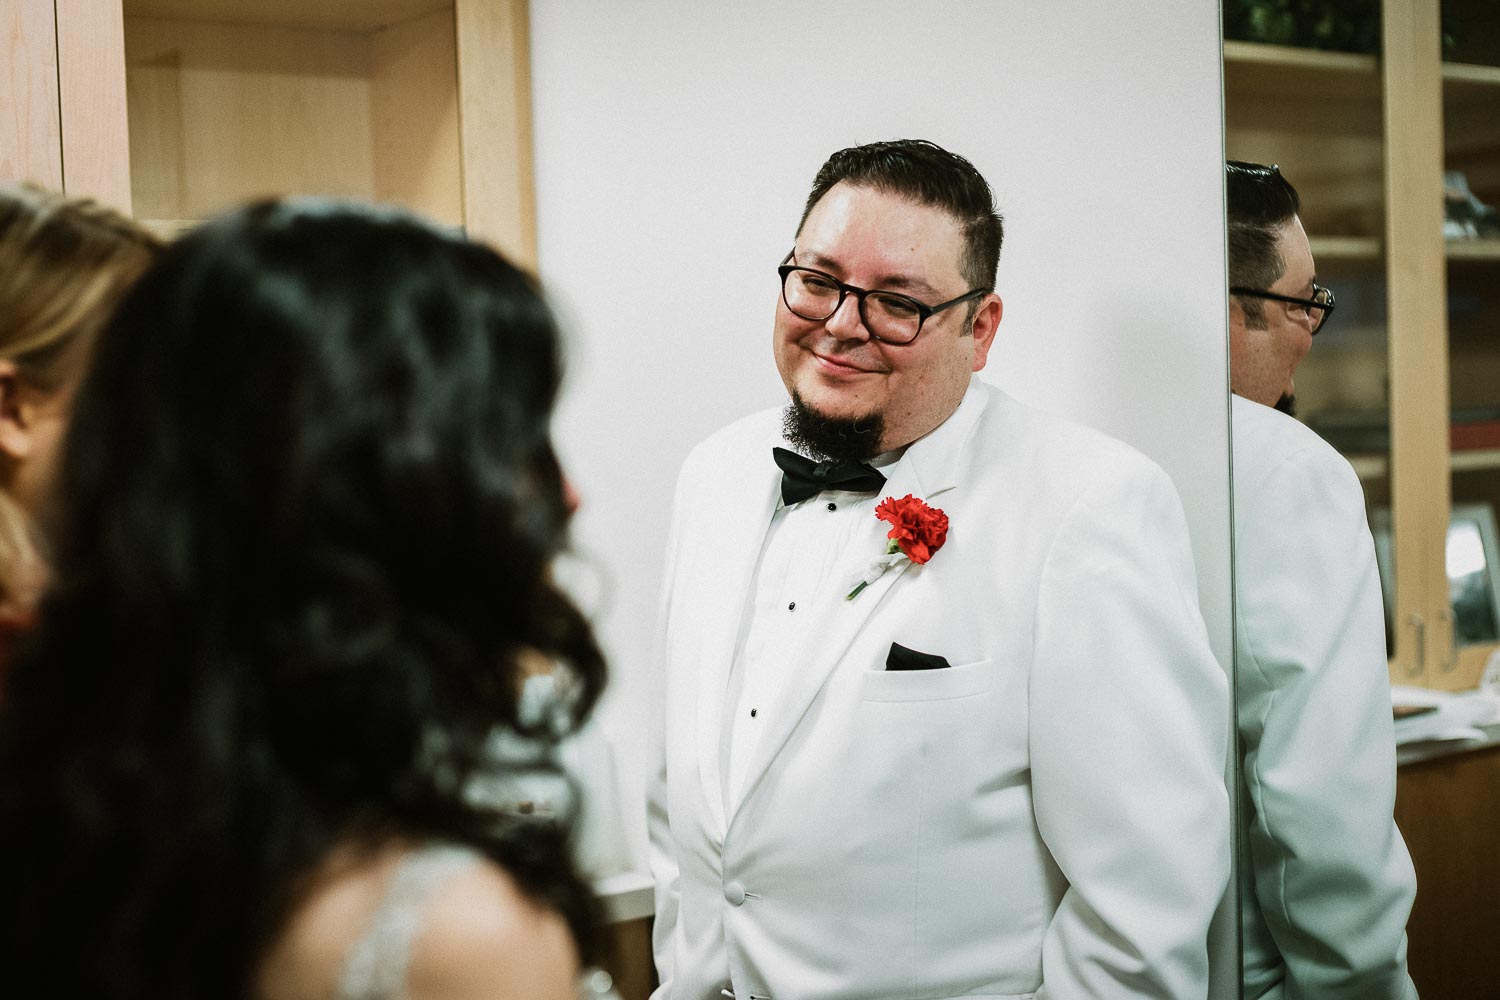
<point>1260,203</point>
<point>929,175</point>
<point>309,505</point>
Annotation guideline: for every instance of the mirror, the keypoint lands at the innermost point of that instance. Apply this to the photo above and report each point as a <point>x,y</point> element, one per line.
<point>1384,122</point>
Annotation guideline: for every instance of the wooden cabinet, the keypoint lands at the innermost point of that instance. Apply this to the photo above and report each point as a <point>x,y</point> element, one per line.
<point>62,97</point>
<point>1366,140</point>
<point>1448,810</point>
<point>423,103</point>
<point>181,108</point>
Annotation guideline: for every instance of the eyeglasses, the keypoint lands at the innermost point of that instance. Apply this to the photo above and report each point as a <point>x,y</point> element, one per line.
<point>891,318</point>
<point>1317,309</point>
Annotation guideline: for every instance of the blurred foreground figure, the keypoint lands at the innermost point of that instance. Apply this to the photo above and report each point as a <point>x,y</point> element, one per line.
<point>64,265</point>
<point>309,506</point>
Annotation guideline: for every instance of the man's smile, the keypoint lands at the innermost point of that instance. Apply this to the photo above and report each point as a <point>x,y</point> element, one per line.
<point>843,366</point>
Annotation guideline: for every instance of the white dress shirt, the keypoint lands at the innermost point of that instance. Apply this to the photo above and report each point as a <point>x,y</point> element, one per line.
<point>802,564</point>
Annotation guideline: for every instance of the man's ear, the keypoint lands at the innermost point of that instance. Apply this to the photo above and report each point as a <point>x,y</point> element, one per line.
<point>15,414</point>
<point>986,322</point>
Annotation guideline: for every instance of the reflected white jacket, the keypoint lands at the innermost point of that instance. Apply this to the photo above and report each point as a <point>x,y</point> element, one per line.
<point>1045,817</point>
<point>1326,883</point>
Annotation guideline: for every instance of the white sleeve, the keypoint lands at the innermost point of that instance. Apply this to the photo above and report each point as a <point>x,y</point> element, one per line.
<point>1129,739</point>
<point>1332,877</point>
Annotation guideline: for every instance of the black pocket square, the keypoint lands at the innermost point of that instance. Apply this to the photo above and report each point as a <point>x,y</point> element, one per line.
<point>901,658</point>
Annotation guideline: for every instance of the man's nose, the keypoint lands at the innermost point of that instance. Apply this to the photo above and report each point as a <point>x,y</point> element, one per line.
<point>846,323</point>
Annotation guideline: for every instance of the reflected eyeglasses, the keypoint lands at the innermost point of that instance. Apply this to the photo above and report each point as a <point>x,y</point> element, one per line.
<point>1318,308</point>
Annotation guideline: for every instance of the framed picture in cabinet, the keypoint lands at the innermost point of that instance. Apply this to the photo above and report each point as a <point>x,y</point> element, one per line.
<point>1473,565</point>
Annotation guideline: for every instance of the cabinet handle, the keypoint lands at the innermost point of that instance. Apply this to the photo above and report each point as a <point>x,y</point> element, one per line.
<point>1450,663</point>
<point>1416,621</point>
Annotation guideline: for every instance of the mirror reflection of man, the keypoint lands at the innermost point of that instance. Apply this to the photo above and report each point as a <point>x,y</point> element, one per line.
<point>1326,883</point>
<point>985,764</point>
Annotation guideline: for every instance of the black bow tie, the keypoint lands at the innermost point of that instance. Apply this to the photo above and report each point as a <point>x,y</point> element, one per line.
<point>802,477</point>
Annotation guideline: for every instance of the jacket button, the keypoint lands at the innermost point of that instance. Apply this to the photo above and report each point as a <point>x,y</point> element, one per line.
<point>734,893</point>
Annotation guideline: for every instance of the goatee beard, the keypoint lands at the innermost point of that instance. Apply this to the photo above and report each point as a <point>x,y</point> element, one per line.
<point>823,437</point>
<point>1287,404</point>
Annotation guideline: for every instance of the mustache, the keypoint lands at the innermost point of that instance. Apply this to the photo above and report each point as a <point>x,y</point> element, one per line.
<point>854,355</point>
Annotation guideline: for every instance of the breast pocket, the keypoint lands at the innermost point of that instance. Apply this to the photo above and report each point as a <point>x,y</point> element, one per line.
<point>960,681</point>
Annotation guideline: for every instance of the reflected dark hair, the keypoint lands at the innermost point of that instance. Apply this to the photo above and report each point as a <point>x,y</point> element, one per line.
<point>310,506</point>
<point>929,175</point>
<point>1260,203</point>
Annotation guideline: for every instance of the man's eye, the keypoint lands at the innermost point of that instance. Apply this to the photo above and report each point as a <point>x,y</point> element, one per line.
<point>819,285</point>
<point>895,306</point>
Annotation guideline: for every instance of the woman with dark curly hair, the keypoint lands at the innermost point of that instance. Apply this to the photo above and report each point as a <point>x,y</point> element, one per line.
<point>309,503</point>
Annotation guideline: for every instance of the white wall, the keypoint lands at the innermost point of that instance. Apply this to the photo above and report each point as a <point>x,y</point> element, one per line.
<point>676,140</point>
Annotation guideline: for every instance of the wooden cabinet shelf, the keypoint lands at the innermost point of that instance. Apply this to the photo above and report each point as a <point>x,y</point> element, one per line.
<point>1305,75</point>
<point>1296,73</point>
<point>1474,250</point>
<point>1374,466</point>
<point>1363,249</point>
<point>376,100</point>
<point>1352,249</point>
<point>1477,460</point>
<point>1466,79</point>
<point>330,15</point>
<point>222,111</point>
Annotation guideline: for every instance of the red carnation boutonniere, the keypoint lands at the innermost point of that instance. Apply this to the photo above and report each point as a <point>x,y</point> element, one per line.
<point>917,532</point>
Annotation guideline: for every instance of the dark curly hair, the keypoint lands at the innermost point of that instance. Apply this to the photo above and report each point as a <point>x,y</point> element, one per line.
<point>308,506</point>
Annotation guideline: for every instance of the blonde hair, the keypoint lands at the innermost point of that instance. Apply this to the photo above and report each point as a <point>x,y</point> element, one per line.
<point>65,263</point>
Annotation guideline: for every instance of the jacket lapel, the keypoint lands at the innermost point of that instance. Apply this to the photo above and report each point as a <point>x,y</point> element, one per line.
<point>747,512</point>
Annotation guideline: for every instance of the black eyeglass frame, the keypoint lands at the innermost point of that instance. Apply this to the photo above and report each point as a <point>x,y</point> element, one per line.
<point>1309,304</point>
<point>924,311</point>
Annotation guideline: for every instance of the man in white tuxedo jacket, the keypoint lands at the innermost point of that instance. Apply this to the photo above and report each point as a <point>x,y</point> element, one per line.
<point>995,770</point>
<point>1326,885</point>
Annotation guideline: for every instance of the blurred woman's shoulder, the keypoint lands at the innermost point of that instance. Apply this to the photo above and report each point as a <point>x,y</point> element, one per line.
<point>418,921</point>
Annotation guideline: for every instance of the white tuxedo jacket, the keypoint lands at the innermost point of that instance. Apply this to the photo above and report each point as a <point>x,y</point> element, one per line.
<point>1045,817</point>
<point>1326,885</point>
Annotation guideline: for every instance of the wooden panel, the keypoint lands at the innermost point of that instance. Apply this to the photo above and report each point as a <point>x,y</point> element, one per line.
<point>414,110</point>
<point>1449,813</point>
<point>91,92</point>
<point>30,130</point>
<point>158,176</point>
<point>1417,296</point>
<point>220,113</point>
<point>494,92</point>
<point>629,960</point>
<point>347,15</point>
